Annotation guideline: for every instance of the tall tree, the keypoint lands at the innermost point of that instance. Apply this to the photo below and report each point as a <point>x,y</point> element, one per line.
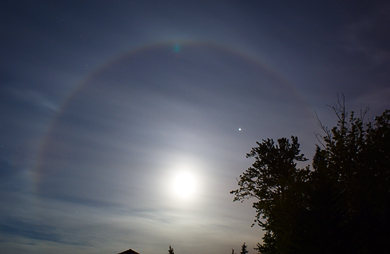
<point>351,177</point>
<point>341,205</point>
<point>273,180</point>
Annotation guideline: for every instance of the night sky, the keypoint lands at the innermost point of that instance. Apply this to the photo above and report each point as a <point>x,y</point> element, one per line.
<point>103,104</point>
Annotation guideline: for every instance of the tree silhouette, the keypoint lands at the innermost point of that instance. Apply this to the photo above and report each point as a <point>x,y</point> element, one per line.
<point>170,250</point>
<point>340,205</point>
<point>244,249</point>
<point>274,180</point>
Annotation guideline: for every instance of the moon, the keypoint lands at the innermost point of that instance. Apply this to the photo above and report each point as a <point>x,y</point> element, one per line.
<point>184,185</point>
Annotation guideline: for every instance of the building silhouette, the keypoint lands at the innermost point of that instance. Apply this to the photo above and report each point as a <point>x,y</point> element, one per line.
<point>129,251</point>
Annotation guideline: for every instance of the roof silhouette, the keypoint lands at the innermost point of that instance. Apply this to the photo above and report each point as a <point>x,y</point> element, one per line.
<point>129,251</point>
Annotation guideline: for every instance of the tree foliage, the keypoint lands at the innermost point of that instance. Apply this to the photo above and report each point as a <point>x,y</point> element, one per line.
<point>170,250</point>
<point>339,205</point>
<point>244,249</point>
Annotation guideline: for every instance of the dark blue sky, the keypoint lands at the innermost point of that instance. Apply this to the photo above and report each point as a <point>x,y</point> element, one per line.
<point>104,103</point>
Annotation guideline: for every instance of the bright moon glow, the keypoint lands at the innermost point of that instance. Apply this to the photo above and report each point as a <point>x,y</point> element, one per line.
<point>184,185</point>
